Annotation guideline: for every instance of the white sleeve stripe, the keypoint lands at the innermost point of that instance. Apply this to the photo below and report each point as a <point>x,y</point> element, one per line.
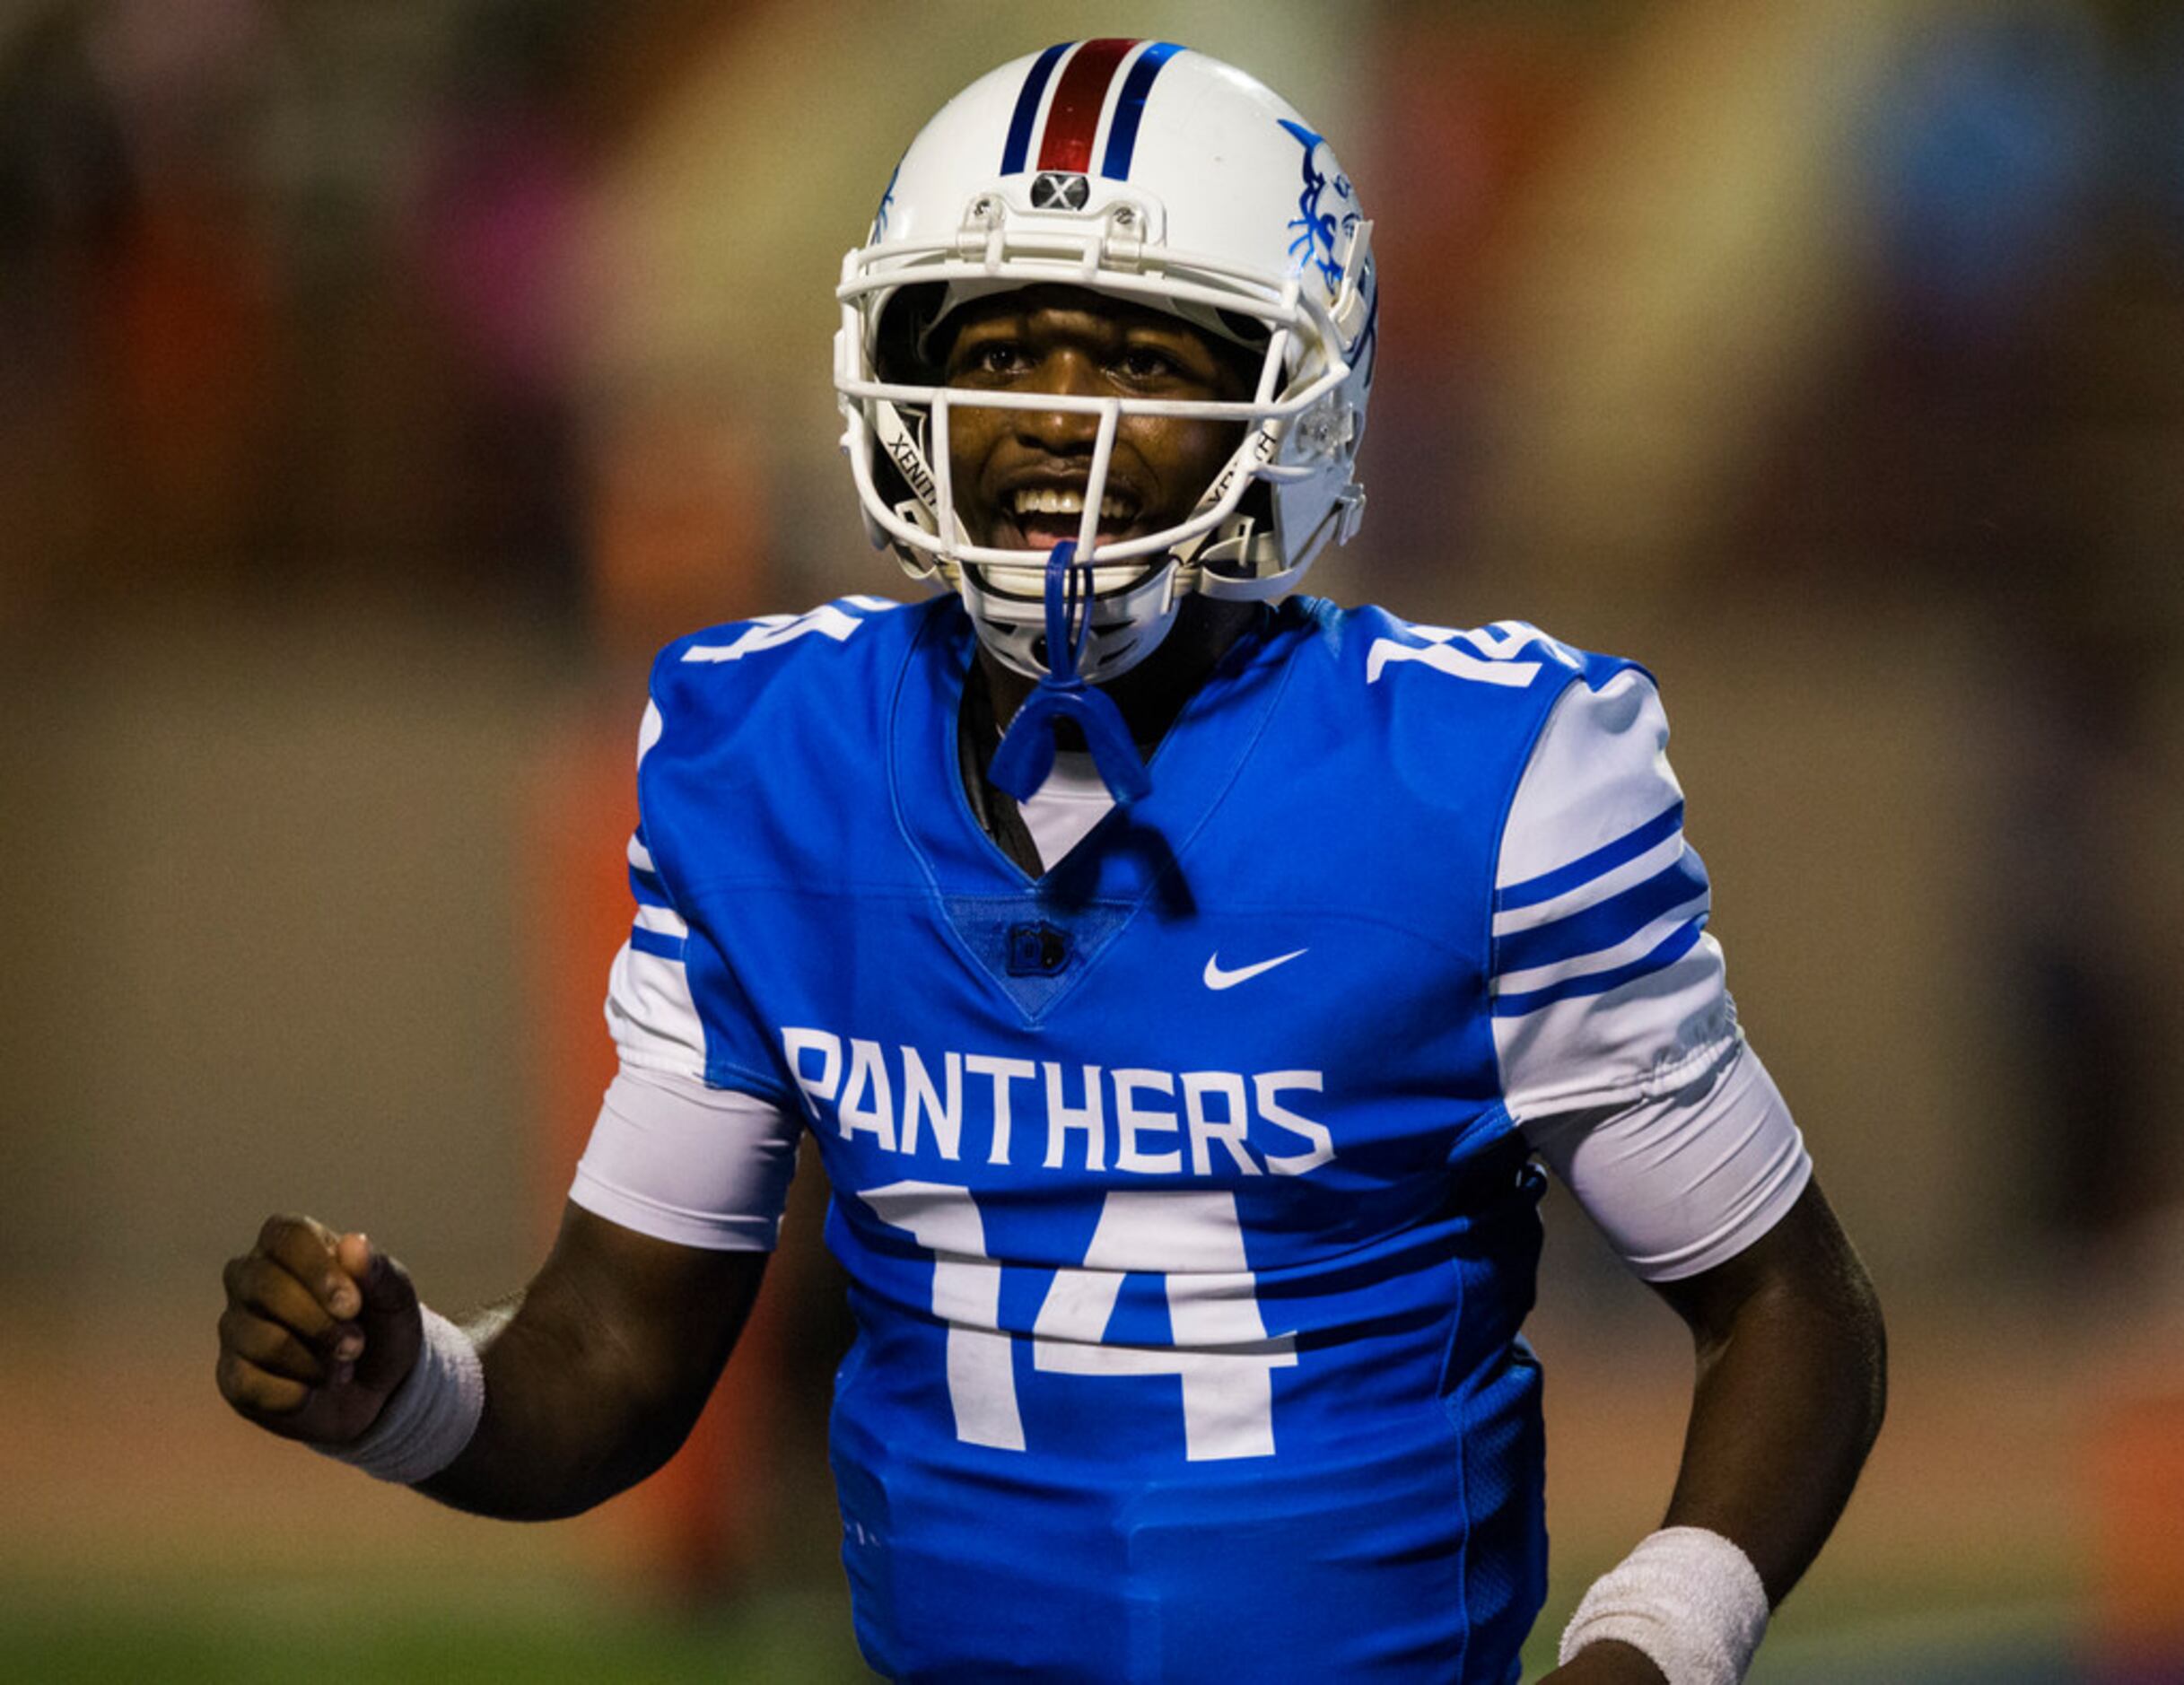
<point>1606,1048</point>
<point>1587,867</point>
<point>1607,926</point>
<point>1614,881</point>
<point>1635,947</point>
<point>640,856</point>
<point>1606,986</point>
<point>663,919</point>
<point>650,1010</point>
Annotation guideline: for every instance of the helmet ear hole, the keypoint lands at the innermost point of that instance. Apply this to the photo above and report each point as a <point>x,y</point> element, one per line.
<point>1243,361</point>
<point>899,353</point>
<point>1247,331</point>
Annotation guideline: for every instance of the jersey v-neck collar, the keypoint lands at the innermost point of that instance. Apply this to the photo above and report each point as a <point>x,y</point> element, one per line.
<point>1131,853</point>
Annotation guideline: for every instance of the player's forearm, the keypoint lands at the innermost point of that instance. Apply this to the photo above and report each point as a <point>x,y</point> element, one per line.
<point>1791,1389</point>
<point>563,1427</point>
<point>593,1380</point>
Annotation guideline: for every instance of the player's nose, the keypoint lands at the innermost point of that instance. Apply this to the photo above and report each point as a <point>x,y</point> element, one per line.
<point>1065,372</point>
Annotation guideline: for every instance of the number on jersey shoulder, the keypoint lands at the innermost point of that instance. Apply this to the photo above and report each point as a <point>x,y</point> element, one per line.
<point>1509,653</point>
<point>770,631</point>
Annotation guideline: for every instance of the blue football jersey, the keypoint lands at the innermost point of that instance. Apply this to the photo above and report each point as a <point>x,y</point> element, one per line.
<point>1189,1229</point>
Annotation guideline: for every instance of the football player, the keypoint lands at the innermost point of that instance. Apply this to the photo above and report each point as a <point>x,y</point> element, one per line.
<point>1183,981</point>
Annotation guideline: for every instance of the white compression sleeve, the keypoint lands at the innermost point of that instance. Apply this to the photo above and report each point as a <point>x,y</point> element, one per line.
<point>1681,1182</point>
<point>681,1162</point>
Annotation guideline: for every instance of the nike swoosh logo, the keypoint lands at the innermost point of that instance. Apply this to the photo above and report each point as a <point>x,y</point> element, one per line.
<point>1216,978</point>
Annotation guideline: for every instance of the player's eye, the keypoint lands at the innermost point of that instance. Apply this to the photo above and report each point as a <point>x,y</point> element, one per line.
<point>1147,364</point>
<point>989,359</point>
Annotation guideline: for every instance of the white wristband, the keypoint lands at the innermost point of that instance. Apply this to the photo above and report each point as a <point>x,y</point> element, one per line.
<point>1687,1598</point>
<point>431,1416</point>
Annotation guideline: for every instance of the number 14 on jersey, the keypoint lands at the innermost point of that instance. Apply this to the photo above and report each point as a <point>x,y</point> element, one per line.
<point>1190,1238</point>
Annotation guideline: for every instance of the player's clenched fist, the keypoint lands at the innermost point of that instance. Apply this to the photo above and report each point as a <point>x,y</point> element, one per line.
<point>319,1329</point>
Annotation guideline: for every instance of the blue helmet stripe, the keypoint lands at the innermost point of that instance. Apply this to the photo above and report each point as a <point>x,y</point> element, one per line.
<point>1130,109</point>
<point>1027,107</point>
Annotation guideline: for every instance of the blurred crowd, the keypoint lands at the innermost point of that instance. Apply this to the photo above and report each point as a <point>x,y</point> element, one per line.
<point>474,310</point>
<point>381,383</point>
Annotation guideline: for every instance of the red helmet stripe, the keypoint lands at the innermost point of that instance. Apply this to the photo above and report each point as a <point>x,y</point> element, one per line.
<point>1072,120</point>
<point>1027,109</point>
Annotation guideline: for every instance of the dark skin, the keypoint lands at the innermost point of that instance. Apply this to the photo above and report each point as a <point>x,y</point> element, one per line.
<point>1791,1386</point>
<point>1068,341</point>
<point>597,1370</point>
<point>594,1374</point>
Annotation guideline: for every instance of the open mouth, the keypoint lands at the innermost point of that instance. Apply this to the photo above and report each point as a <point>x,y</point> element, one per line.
<point>1040,517</point>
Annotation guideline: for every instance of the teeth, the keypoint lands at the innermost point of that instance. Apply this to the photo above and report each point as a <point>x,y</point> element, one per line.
<point>1045,501</point>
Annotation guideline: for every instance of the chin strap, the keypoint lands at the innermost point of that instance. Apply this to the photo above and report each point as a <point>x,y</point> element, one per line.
<point>1026,751</point>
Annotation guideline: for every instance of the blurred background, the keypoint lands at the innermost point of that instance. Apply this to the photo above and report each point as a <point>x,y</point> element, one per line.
<point>379,384</point>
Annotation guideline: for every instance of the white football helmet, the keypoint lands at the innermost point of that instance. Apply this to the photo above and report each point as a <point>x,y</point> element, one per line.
<point>1168,178</point>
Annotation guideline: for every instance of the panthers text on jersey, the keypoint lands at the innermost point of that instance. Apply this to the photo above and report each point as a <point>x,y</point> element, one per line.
<point>1189,1229</point>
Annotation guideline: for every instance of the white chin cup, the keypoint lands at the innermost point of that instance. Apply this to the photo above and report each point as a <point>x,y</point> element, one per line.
<point>1127,623</point>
